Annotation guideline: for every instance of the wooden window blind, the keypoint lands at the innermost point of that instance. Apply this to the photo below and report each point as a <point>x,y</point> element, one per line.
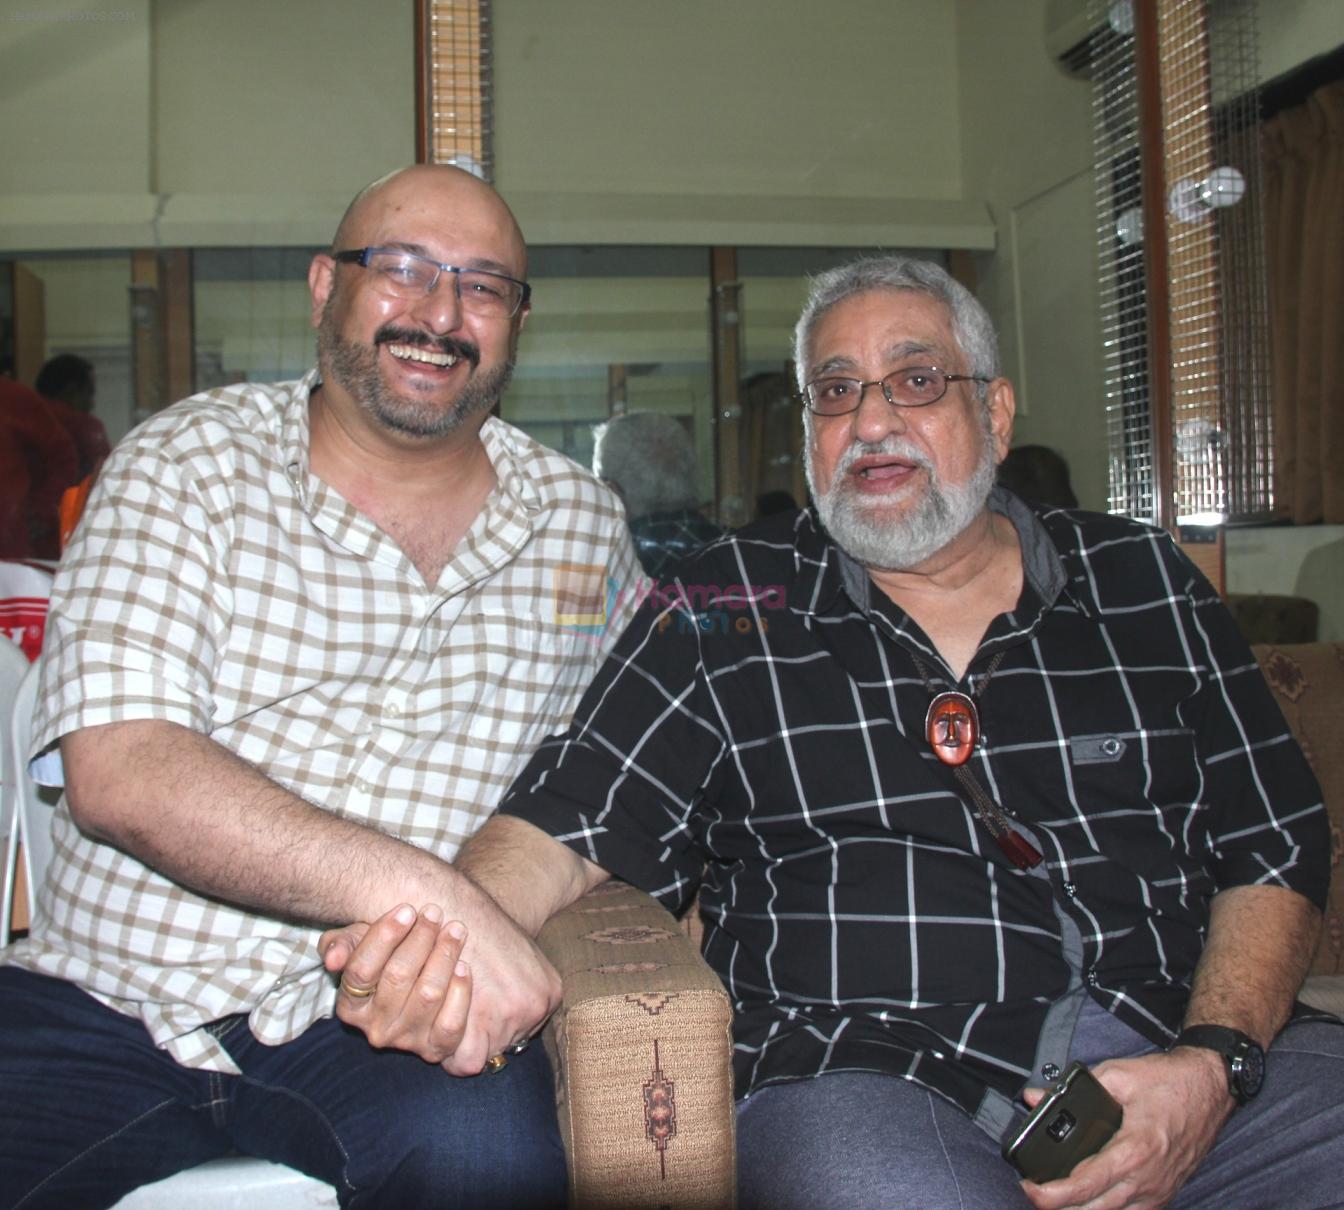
<point>453,84</point>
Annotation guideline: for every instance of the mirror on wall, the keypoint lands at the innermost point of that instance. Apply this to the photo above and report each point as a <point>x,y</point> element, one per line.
<point>73,303</point>
<point>612,328</point>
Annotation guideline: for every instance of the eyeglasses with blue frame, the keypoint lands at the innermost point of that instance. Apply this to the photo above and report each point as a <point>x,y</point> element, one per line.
<point>410,276</point>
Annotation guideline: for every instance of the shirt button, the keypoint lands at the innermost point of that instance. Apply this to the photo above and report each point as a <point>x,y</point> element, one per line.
<point>393,709</point>
<point>1070,890</point>
<point>1050,1071</point>
<point>362,786</point>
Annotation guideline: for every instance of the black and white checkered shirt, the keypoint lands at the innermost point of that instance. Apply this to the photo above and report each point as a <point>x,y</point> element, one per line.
<point>771,736</point>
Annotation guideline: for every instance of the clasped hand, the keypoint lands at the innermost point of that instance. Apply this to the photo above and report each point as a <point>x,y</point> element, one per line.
<point>414,981</point>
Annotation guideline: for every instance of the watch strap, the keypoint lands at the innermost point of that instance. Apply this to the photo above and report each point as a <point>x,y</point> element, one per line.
<point>1222,1038</point>
<point>1234,1047</point>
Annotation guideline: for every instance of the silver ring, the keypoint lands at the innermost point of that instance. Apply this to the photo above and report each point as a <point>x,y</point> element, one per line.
<point>518,1047</point>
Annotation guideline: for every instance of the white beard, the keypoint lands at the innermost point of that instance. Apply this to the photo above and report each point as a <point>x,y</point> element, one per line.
<point>898,543</point>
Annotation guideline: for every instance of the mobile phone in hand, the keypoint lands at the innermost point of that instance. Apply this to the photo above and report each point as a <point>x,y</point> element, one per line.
<point>1074,1120</point>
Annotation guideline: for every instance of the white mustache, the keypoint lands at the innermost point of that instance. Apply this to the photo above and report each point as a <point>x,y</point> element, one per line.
<point>889,447</point>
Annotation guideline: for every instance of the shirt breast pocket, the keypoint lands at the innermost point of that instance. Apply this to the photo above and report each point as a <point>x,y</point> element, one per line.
<point>1131,777</point>
<point>1104,749</point>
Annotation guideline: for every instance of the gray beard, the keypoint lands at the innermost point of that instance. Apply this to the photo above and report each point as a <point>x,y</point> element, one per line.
<point>899,543</point>
<point>355,368</point>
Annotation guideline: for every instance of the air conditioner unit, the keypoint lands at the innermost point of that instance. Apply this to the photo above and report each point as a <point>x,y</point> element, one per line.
<point>1073,28</point>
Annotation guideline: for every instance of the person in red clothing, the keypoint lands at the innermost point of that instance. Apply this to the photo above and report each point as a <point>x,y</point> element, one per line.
<point>67,383</point>
<point>38,461</point>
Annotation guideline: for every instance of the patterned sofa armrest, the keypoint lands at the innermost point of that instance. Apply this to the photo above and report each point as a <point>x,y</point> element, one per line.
<point>642,1052</point>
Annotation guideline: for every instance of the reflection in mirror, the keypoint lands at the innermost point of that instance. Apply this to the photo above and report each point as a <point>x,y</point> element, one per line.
<point>79,304</point>
<point>614,329</point>
<point>251,316</point>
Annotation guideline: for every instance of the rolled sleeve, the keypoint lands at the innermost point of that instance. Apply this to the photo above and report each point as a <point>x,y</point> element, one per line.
<point>1268,825</point>
<point>137,607</point>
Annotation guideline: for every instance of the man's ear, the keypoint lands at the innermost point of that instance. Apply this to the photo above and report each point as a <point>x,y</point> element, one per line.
<point>321,282</point>
<point>1002,405</point>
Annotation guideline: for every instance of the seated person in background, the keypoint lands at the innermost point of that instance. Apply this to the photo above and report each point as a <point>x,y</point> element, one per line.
<point>301,647</point>
<point>38,461</point>
<point>973,793</point>
<point>649,460</point>
<point>1039,475</point>
<point>67,382</point>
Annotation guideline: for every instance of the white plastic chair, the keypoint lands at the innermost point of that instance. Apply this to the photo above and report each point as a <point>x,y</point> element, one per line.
<point>30,832</point>
<point>232,1183</point>
<point>13,668</point>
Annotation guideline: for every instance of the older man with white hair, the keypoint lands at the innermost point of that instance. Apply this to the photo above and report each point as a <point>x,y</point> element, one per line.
<point>970,791</point>
<point>648,459</point>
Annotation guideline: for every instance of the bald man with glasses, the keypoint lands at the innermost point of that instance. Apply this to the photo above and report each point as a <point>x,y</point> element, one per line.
<point>304,638</point>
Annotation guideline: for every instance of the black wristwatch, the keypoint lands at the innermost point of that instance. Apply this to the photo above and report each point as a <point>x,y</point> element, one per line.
<point>1242,1055</point>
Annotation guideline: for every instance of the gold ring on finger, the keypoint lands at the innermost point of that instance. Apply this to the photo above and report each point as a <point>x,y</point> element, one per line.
<point>496,1063</point>
<point>355,991</point>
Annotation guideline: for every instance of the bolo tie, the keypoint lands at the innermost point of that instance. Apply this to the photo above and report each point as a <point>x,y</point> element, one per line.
<point>952,729</point>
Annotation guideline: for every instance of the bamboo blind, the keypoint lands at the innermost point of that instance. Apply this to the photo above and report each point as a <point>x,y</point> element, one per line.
<point>1184,310</point>
<point>1194,304</point>
<point>454,116</point>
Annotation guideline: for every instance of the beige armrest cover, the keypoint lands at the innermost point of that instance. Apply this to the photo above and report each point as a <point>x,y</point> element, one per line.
<point>642,1051</point>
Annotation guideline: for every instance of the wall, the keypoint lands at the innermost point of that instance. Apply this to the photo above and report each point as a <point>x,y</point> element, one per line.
<point>752,122</point>
<point>196,122</point>
<point>1293,31</point>
<point>75,110</point>
<point>1304,560</point>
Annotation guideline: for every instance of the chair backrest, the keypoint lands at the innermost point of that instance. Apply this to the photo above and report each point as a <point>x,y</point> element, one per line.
<point>13,668</point>
<point>220,1184</point>
<point>29,833</point>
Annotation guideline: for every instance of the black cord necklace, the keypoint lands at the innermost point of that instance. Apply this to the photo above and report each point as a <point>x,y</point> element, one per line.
<point>952,727</point>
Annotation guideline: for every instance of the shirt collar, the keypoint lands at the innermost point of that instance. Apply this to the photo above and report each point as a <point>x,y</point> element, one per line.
<point>294,431</point>
<point>498,439</point>
<point>295,438</point>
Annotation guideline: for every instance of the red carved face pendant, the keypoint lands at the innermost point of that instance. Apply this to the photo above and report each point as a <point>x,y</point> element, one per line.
<point>952,727</point>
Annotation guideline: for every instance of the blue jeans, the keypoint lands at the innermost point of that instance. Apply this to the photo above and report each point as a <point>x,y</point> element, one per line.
<point>853,1140</point>
<point>91,1109</point>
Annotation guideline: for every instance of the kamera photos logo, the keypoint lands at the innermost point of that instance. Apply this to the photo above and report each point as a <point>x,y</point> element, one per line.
<point>586,597</point>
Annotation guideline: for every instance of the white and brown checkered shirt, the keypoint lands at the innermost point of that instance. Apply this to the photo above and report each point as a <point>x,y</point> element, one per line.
<point>215,583</point>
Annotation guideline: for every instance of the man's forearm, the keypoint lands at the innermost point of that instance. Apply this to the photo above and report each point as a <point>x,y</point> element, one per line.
<point>203,817</point>
<point>1258,950</point>
<point>527,873</point>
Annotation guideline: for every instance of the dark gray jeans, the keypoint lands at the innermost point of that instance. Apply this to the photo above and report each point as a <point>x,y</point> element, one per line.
<point>861,1140</point>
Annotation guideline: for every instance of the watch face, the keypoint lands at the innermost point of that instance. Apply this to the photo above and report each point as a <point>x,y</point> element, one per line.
<point>1248,1069</point>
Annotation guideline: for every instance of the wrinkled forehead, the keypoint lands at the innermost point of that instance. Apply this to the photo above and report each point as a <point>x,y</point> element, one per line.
<point>882,328</point>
